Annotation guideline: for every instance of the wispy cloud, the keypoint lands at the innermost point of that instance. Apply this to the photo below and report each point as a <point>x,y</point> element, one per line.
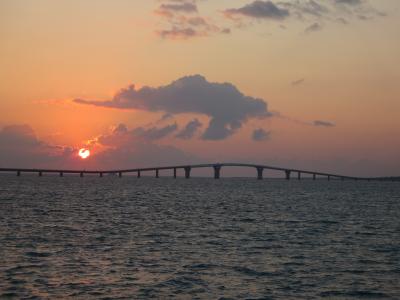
<point>260,135</point>
<point>183,21</point>
<point>320,123</point>
<point>298,82</point>
<point>313,12</point>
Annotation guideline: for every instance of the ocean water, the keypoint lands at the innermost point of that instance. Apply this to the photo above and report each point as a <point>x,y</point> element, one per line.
<point>129,238</point>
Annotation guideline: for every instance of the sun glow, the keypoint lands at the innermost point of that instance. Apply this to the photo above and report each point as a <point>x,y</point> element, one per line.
<point>84,153</point>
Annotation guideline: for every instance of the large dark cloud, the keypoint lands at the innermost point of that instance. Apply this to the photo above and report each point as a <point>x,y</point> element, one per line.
<point>227,107</point>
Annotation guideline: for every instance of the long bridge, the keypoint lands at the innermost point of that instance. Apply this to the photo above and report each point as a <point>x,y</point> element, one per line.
<point>288,172</point>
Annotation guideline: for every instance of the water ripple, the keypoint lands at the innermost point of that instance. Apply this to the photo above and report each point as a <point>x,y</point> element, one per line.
<point>128,238</point>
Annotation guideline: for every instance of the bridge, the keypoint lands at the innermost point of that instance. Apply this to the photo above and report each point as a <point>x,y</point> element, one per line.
<point>287,172</point>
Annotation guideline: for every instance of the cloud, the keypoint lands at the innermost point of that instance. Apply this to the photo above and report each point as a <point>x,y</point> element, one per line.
<point>313,28</point>
<point>183,21</point>
<point>154,133</point>
<point>120,147</point>
<point>21,148</point>
<point>227,107</point>
<point>348,2</point>
<point>180,33</point>
<point>120,135</point>
<point>18,135</point>
<point>259,10</point>
<point>298,82</point>
<point>125,148</point>
<point>314,12</point>
<point>260,135</point>
<point>317,123</point>
<point>143,155</point>
<point>187,7</point>
<point>320,123</point>
<point>190,130</point>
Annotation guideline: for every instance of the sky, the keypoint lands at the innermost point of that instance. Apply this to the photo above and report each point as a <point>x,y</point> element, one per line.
<point>311,84</point>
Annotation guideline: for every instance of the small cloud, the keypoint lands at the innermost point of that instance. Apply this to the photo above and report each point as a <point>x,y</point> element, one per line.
<point>349,2</point>
<point>298,82</point>
<point>342,21</point>
<point>260,135</point>
<point>320,123</point>
<point>313,28</point>
<point>260,10</point>
<point>179,33</point>
<point>186,7</point>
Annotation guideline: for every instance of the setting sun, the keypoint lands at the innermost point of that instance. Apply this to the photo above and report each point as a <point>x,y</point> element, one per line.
<point>84,153</point>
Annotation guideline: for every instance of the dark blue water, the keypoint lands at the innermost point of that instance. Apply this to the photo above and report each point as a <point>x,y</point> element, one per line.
<point>99,238</point>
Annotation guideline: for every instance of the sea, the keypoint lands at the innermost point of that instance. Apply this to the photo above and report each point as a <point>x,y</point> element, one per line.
<point>198,238</point>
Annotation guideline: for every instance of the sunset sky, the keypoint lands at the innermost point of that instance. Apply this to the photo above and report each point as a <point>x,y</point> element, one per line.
<point>311,84</point>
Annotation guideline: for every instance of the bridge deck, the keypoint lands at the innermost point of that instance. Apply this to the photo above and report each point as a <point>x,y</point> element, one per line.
<point>188,168</point>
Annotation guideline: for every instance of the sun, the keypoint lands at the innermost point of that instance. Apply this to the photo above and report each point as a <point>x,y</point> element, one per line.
<point>84,153</point>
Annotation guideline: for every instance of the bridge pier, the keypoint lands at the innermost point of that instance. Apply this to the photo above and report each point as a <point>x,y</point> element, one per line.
<point>40,174</point>
<point>175,173</point>
<point>217,171</point>
<point>81,174</point>
<point>120,174</point>
<point>101,174</point>
<point>329,177</point>
<point>61,174</point>
<point>138,174</point>
<point>157,173</point>
<point>260,172</point>
<point>299,175</point>
<point>18,173</point>
<point>314,177</point>
<point>287,174</point>
<point>187,172</point>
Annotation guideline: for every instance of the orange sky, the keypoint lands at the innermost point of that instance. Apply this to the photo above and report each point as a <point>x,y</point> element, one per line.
<point>347,74</point>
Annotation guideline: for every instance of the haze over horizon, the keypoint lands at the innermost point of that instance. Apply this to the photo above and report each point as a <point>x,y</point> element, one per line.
<point>310,84</point>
